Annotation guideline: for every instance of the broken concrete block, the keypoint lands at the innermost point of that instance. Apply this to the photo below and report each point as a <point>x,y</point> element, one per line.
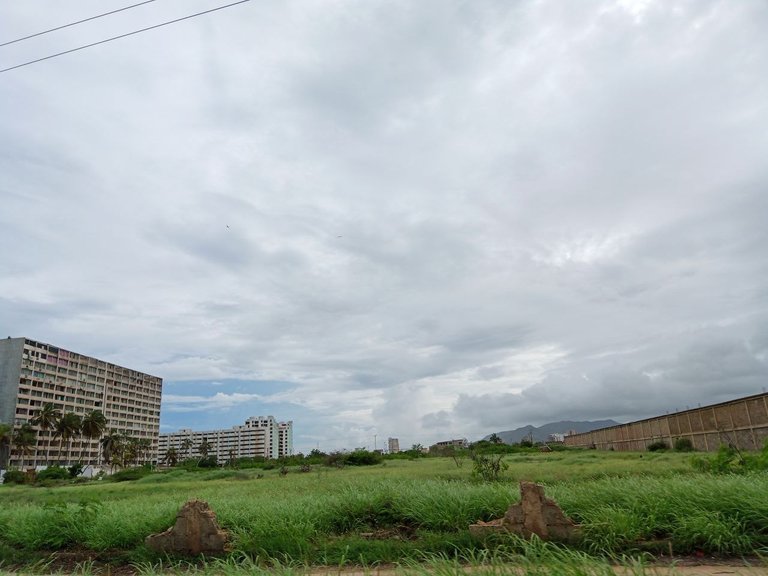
<point>196,532</point>
<point>535,514</point>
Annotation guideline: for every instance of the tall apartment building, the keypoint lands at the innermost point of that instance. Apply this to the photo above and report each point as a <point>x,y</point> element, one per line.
<point>393,445</point>
<point>33,374</point>
<point>260,436</point>
<point>285,438</point>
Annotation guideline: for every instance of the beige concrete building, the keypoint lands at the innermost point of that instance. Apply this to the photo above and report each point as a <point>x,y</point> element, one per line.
<point>393,445</point>
<point>260,436</point>
<point>33,374</point>
<point>742,422</point>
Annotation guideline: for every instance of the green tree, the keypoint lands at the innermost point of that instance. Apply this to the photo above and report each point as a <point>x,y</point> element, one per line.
<point>495,439</point>
<point>171,457</point>
<point>204,449</point>
<point>136,450</point>
<point>46,419</point>
<point>67,427</point>
<point>6,438</point>
<point>24,438</point>
<point>187,446</point>
<point>112,448</point>
<point>93,425</point>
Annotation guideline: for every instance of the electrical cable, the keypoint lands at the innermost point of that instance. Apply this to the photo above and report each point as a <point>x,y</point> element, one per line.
<point>123,35</point>
<point>74,23</point>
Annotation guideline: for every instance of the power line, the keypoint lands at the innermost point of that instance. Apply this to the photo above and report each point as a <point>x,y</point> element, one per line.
<point>74,23</point>
<point>123,35</point>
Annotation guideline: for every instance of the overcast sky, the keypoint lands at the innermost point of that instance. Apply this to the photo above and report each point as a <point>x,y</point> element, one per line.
<point>423,219</point>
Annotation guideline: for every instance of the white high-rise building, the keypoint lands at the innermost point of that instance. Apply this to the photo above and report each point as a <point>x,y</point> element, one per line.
<point>285,438</point>
<point>33,374</point>
<point>260,436</point>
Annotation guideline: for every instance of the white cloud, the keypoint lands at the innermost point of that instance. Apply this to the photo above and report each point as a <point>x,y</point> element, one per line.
<point>427,219</point>
<point>219,401</point>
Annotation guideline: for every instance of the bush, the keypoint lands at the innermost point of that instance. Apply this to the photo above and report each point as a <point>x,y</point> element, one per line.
<point>75,470</point>
<point>362,458</point>
<point>208,462</point>
<point>728,460</point>
<point>488,467</point>
<point>15,477</point>
<point>658,446</point>
<point>54,472</point>
<point>683,445</point>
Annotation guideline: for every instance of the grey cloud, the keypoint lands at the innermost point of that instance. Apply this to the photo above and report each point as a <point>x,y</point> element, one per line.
<point>476,214</point>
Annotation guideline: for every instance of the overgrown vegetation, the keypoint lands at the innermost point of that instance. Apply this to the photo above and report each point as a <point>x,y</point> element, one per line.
<point>683,445</point>
<point>730,460</point>
<point>399,509</point>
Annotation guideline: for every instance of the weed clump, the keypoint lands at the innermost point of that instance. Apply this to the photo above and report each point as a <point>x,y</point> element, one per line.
<point>683,445</point>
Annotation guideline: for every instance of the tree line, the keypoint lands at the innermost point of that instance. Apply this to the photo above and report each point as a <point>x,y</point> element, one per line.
<point>116,449</point>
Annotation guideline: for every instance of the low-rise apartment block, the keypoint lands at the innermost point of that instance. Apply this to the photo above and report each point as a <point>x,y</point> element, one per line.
<point>33,374</point>
<point>260,436</point>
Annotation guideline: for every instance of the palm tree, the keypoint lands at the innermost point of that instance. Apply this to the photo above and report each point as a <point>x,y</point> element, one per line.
<point>171,457</point>
<point>24,438</point>
<point>67,427</point>
<point>6,438</point>
<point>112,448</point>
<point>141,447</point>
<point>93,424</point>
<point>204,449</point>
<point>187,446</point>
<point>46,419</point>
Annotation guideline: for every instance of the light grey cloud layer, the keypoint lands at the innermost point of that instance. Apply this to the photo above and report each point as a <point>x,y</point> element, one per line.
<point>429,219</point>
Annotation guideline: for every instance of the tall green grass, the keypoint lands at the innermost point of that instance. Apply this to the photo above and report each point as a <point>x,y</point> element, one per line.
<point>626,504</point>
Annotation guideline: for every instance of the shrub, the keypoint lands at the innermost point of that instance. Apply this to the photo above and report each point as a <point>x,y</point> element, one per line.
<point>208,462</point>
<point>75,470</point>
<point>362,458</point>
<point>54,472</point>
<point>683,445</point>
<point>658,446</point>
<point>335,459</point>
<point>14,477</point>
<point>729,460</point>
<point>488,467</point>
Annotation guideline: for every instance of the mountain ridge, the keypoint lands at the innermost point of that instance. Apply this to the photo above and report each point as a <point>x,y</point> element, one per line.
<point>540,433</point>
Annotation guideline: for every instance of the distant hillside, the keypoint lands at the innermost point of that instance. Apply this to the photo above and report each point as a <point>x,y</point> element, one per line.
<point>540,434</point>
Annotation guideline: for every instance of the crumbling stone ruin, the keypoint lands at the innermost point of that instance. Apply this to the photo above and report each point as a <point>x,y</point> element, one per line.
<point>535,514</point>
<point>196,532</point>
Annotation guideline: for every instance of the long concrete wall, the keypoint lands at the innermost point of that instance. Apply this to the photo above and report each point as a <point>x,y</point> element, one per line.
<point>742,422</point>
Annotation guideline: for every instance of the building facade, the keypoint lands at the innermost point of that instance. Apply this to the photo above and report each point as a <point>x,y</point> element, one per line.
<point>393,445</point>
<point>742,423</point>
<point>260,436</point>
<point>33,374</point>
<point>285,438</point>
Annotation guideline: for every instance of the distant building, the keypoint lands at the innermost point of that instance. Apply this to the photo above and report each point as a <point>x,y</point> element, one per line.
<point>457,443</point>
<point>556,437</point>
<point>393,445</point>
<point>285,438</point>
<point>261,436</point>
<point>33,374</point>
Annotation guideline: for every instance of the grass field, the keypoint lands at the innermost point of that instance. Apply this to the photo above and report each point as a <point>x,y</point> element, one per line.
<point>398,512</point>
